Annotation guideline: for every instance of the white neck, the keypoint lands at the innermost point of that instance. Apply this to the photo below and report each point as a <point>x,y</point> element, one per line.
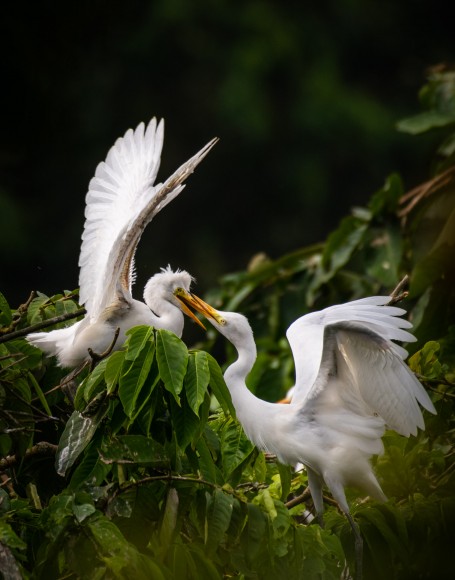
<point>170,317</point>
<point>253,413</point>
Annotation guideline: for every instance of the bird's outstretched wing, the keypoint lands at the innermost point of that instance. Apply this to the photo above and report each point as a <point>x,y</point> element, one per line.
<point>121,201</point>
<point>346,361</point>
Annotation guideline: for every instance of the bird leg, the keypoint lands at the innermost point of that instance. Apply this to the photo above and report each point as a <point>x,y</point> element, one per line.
<point>315,485</point>
<point>96,357</point>
<point>358,546</point>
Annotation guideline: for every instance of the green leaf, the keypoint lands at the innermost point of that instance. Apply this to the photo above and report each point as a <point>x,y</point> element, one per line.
<point>138,336</point>
<point>185,422</point>
<point>169,518</point>
<point>91,470</point>
<point>83,511</point>
<point>342,242</point>
<point>235,447</point>
<point>208,469</point>
<point>254,533</point>
<point>387,198</point>
<point>77,434</point>
<point>172,357</point>
<point>425,122</point>
<point>285,479</point>
<point>113,370</point>
<point>134,377</point>
<point>6,316</point>
<point>219,513</point>
<point>218,386</point>
<point>40,394</point>
<point>93,383</point>
<point>196,379</point>
<point>8,537</point>
<point>386,248</point>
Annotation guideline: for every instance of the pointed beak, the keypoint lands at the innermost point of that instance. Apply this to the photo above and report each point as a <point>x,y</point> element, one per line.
<point>192,301</point>
<point>186,300</point>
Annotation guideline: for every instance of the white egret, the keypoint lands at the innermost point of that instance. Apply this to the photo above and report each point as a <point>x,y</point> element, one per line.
<point>121,201</point>
<point>351,384</point>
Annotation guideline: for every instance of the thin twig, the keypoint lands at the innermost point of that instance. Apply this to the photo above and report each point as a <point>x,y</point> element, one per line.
<point>170,478</point>
<point>96,357</point>
<point>298,499</point>
<point>398,293</point>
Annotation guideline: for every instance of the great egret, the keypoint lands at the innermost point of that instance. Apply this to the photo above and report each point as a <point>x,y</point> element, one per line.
<point>121,201</point>
<point>351,384</point>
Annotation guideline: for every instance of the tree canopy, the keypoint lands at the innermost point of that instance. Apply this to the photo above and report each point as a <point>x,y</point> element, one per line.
<point>137,468</point>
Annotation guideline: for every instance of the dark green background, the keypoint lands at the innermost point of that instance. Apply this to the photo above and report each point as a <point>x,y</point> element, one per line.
<point>304,97</point>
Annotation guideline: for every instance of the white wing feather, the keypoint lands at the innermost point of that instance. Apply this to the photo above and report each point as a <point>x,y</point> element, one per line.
<point>121,187</point>
<point>378,377</point>
<point>121,201</point>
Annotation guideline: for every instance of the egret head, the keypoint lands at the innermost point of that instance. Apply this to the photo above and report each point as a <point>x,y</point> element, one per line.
<point>162,289</point>
<point>235,327</point>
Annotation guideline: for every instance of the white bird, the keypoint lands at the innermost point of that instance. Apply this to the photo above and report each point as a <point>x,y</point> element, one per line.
<point>351,384</point>
<point>121,201</point>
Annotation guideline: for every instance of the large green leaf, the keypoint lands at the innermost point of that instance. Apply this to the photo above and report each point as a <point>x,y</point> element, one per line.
<point>185,422</point>
<point>196,379</point>
<point>77,434</point>
<point>218,386</point>
<point>172,357</point>
<point>235,447</point>
<point>138,336</point>
<point>134,376</point>
<point>219,512</point>
<point>113,370</point>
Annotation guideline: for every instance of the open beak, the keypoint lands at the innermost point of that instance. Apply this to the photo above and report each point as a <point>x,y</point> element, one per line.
<point>188,301</point>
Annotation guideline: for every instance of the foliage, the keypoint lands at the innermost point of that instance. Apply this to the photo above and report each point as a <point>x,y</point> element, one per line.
<point>139,468</point>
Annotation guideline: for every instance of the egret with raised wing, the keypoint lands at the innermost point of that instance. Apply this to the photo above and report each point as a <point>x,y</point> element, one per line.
<point>121,201</point>
<point>351,385</point>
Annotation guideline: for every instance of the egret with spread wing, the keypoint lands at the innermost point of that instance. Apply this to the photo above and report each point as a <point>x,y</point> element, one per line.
<point>121,201</point>
<point>351,384</point>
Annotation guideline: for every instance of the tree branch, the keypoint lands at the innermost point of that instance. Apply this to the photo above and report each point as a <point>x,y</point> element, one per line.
<point>41,448</point>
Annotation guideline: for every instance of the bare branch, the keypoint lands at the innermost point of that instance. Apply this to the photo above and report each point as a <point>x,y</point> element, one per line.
<point>398,293</point>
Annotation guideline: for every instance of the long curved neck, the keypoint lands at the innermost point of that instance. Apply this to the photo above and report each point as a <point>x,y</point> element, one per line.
<point>252,412</point>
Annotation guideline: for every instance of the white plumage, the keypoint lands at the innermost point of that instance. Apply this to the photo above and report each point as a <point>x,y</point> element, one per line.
<point>121,201</point>
<point>351,384</point>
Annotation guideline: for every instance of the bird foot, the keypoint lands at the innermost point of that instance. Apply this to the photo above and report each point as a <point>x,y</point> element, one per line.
<point>96,357</point>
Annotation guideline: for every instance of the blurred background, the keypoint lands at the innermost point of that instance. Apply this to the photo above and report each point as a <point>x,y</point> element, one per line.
<point>304,97</point>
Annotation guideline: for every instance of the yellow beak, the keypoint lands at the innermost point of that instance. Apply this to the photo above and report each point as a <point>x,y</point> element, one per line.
<point>188,301</point>
<point>185,300</point>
